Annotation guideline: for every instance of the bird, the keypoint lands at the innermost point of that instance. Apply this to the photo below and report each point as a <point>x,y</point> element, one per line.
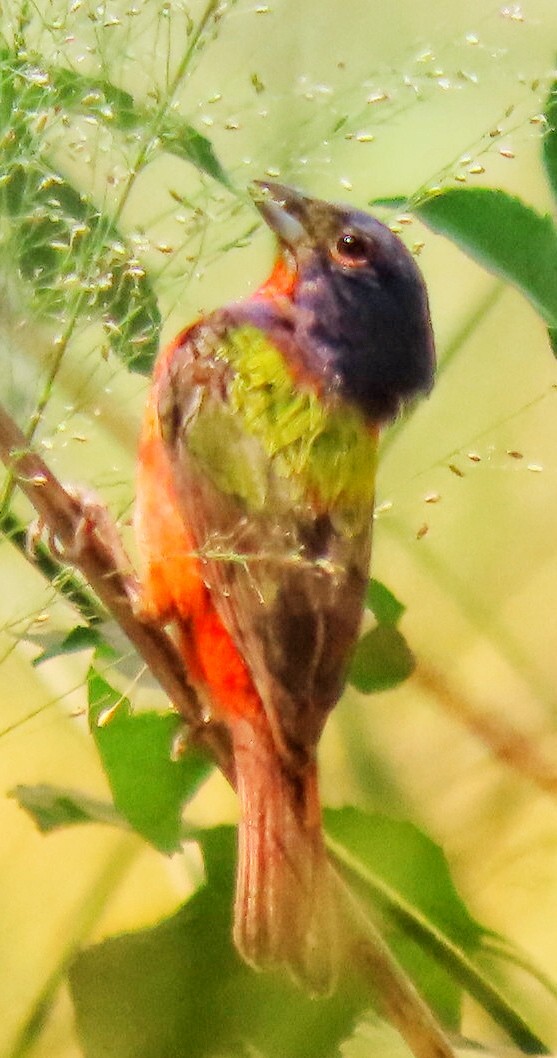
<point>255,491</point>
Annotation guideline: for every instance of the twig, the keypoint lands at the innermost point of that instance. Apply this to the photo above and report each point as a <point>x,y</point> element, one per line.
<point>392,992</point>
<point>514,748</point>
<point>70,522</point>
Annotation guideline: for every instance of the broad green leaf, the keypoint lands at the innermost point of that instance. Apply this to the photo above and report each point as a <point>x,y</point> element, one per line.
<point>180,989</point>
<point>412,870</point>
<point>503,234</point>
<point>550,139</point>
<point>402,857</point>
<point>402,872</point>
<point>149,786</point>
<point>386,608</point>
<point>382,660</point>
<point>52,807</point>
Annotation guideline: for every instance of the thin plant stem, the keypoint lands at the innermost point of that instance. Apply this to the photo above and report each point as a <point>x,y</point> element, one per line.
<point>98,894</point>
<point>182,68</point>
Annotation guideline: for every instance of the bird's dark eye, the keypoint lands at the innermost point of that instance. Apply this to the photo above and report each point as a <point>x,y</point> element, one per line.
<point>351,251</point>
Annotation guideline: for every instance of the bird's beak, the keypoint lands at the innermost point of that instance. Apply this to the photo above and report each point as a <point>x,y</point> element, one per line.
<point>284,209</point>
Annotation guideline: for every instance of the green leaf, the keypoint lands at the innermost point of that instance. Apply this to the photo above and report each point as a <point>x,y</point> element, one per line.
<point>30,85</point>
<point>375,1039</point>
<point>118,109</point>
<point>400,870</point>
<point>386,608</point>
<point>550,139</point>
<point>53,807</point>
<point>75,261</point>
<point>381,661</point>
<point>149,786</point>
<point>93,96</point>
<point>82,637</point>
<point>403,858</point>
<point>399,862</point>
<point>180,989</point>
<point>186,142</point>
<point>503,234</point>
<point>390,202</point>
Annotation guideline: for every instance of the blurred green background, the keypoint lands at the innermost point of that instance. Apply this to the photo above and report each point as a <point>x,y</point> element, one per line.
<point>352,101</point>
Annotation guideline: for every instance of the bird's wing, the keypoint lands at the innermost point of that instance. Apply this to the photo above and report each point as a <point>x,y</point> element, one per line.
<point>280,511</point>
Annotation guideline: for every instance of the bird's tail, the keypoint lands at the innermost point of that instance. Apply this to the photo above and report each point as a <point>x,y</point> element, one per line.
<point>284,912</point>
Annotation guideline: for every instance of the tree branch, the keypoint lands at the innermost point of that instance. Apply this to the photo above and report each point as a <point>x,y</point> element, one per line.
<point>518,750</point>
<point>71,524</point>
<point>65,580</point>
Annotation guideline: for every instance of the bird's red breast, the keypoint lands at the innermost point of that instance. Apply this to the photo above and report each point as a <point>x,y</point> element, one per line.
<point>281,281</point>
<point>173,586</point>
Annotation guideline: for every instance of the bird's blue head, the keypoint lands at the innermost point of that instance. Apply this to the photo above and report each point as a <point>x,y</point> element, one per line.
<point>362,311</point>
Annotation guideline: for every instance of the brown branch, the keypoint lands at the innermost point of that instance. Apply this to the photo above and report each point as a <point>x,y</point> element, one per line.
<point>70,522</point>
<point>86,536</point>
<point>515,749</point>
<point>67,582</point>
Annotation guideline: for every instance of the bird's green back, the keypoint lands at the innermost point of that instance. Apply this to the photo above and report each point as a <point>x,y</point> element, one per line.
<point>272,429</point>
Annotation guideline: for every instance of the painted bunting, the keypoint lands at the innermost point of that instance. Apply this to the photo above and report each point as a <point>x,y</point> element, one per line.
<point>254,507</point>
